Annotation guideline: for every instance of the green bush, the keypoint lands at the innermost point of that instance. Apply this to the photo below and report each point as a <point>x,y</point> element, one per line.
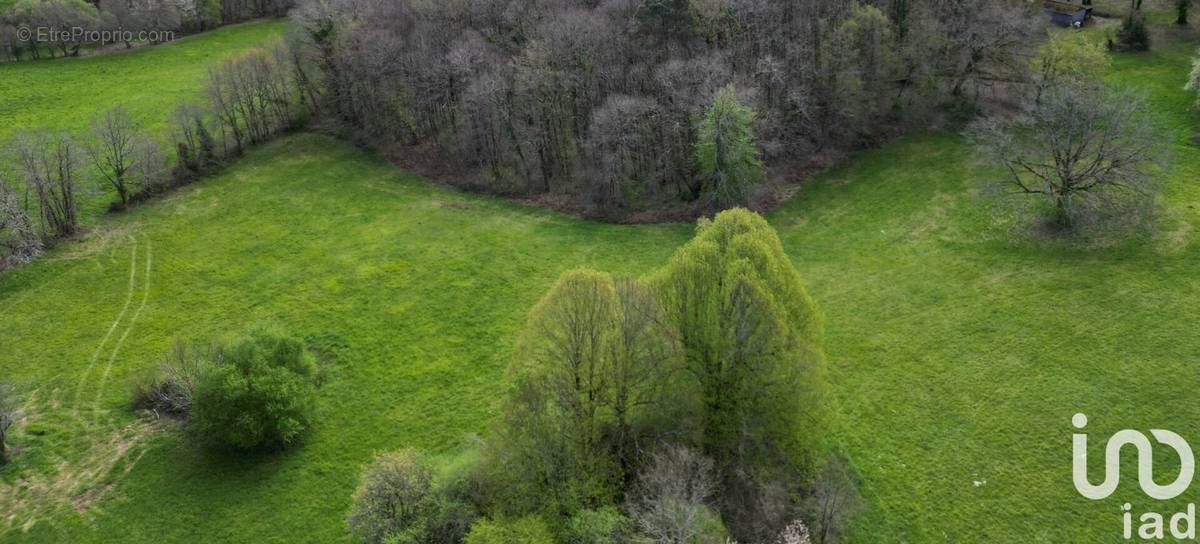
<point>526,530</point>
<point>604,526</point>
<point>259,394</point>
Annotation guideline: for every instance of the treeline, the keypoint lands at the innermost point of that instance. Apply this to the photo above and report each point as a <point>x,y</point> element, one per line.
<point>599,102</point>
<point>689,407</point>
<point>45,173</point>
<point>34,29</point>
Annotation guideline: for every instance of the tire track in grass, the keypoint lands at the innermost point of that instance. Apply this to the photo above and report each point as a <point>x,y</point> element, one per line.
<point>128,328</point>
<point>112,328</point>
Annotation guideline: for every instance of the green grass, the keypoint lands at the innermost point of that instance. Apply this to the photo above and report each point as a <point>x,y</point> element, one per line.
<point>149,82</point>
<point>957,357</point>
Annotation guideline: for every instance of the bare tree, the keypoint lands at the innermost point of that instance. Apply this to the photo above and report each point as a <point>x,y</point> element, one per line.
<point>625,166</point>
<point>985,43</point>
<point>835,498</point>
<point>1088,151</point>
<point>112,149</point>
<point>672,497</point>
<point>18,238</point>
<point>795,533</point>
<point>49,161</point>
<point>253,96</point>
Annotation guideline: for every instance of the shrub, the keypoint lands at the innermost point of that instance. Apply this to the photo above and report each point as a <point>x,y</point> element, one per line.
<point>398,501</point>
<point>173,391</point>
<point>603,526</point>
<point>1133,34</point>
<point>260,395</point>
<point>526,530</point>
<point>8,416</point>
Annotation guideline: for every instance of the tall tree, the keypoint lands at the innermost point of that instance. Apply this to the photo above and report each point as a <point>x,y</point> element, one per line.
<point>726,157</point>
<point>585,364</point>
<point>1087,151</point>
<point>115,140</point>
<point>752,341</point>
<point>49,161</point>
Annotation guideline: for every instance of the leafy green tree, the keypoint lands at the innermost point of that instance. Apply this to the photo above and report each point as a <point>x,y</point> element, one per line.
<point>726,157</point>
<point>1064,57</point>
<point>584,364</point>
<point>860,58</point>
<point>666,19</point>
<point>752,341</point>
<point>260,393</point>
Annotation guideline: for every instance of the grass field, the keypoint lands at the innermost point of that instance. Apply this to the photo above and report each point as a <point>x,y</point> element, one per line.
<point>148,81</point>
<point>65,94</point>
<point>957,356</point>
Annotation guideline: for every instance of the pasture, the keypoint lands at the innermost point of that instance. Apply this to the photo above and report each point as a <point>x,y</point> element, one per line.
<point>957,356</point>
<point>149,82</point>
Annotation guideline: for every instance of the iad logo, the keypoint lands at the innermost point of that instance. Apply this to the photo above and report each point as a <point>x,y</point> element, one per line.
<point>1153,525</point>
<point>1112,462</point>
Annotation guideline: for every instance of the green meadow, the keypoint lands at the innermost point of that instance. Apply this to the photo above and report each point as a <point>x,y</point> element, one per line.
<point>148,81</point>
<point>957,355</point>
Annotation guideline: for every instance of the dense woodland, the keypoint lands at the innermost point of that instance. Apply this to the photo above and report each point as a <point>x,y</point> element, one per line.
<point>599,102</point>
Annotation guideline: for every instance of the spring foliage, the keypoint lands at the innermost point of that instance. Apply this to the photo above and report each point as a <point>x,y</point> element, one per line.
<point>752,341</point>
<point>719,351</point>
<point>259,394</point>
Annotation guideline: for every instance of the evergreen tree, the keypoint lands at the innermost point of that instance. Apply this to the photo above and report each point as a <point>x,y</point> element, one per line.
<point>726,157</point>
